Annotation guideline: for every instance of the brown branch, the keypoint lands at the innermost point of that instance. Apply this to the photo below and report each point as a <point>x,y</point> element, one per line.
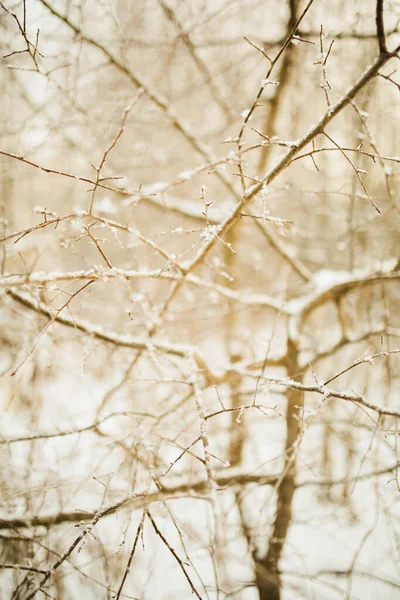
<point>357,399</point>
<point>64,174</point>
<point>389,78</point>
<point>284,78</point>
<point>271,68</point>
<point>97,516</point>
<point>347,480</point>
<point>343,342</point>
<point>53,317</point>
<point>395,159</point>
<point>197,489</point>
<point>158,99</point>
<point>23,568</point>
<point>142,500</point>
<point>281,248</point>
<point>97,273</point>
<point>380,28</point>
<point>128,566</point>
<point>356,171</point>
<point>94,425</point>
<point>174,554</point>
<point>334,293</point>
<point>112,146</point>
<point>369,359</point>
<point>268,577</point>
<point>201,65</point>
<point>286,160</point>
<point>122,340</point>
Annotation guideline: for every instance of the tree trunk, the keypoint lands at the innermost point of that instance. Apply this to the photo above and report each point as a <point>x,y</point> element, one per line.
<point>267,569</point>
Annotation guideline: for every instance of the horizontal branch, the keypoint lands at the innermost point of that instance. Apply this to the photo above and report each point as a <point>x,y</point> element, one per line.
<point>395,159</point>
<point>315,576</point>
<point>203,42</point>
<point>98,332</point>
<point>17,567</point>
<point>64,173</point>
<point>320,389</point>
<point>157,187</point>
<point>347,480</point>
<point>94,425</point>
<point>344,342</point>
<point>139,500</point>
<point>98,273</point>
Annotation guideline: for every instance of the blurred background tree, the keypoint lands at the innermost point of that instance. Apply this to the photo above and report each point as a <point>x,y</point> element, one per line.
<point>199,299</point>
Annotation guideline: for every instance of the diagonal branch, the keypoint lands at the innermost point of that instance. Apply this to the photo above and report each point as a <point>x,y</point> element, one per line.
<point>296,147</point>
<point>122,340</point>
<point>201,65</point>
<point>158,99</point>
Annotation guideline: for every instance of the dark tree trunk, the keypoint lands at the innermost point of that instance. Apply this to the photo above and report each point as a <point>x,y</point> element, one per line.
<point>267,568</point>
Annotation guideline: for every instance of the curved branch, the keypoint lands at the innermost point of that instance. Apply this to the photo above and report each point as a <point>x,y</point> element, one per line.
<point>112,337</point>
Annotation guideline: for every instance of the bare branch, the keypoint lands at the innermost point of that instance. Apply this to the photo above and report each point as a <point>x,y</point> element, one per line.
<point>380,28</point>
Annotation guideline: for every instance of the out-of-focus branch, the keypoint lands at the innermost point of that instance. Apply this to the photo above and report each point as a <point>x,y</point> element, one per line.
<point>140,500</point>
<point>157,98</point>
<point>112,337</point>
<point>344,341</point>
<point>293,25</point>
<point>270,130</point>
<point>322,389</point>
<point>332,293</point>
<point>195,490</point>
<point>201,65</point>
<point>280,90</point>
<point>260,41</point>
<point>347,480</point>
<point>58,434</point>
<point>281,248</point>
<point>97,273</point>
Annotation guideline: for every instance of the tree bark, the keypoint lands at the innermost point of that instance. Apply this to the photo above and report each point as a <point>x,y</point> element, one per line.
<point>267,569</point>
